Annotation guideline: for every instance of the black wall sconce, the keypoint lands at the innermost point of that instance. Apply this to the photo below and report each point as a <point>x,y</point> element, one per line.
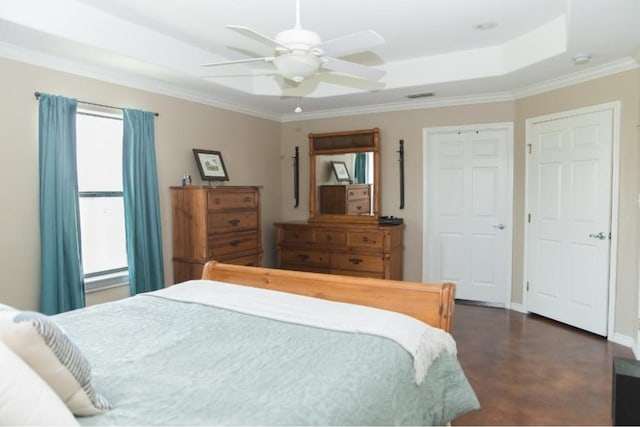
<point>401,160</point>
<point>296,182</point>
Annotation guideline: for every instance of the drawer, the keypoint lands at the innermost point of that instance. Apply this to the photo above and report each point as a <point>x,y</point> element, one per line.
<point>365,238</point>
<point>227,244</point>
<point>297,235</point>
<point>358,207</point>
<point>357,262</point>
<point>218,201</point>
<point>358,193</point>
<point>227,222</point>
<point>247,260</point>
<point>330,237</point>
<point>304,258</point>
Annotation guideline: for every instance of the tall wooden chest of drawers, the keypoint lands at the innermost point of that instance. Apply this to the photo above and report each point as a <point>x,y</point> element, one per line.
<point>351,249</point>
<point>221,223</point>
<point>353,199</point>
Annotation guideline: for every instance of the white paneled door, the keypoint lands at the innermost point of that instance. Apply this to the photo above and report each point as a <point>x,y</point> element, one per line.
<point>467,211</point>
<point>569,219</point>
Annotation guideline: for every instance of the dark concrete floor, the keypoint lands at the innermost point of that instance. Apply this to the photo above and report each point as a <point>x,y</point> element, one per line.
<point>528,370</point>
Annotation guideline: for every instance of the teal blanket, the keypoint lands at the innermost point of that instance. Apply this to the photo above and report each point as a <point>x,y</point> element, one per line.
<point>163,362</point>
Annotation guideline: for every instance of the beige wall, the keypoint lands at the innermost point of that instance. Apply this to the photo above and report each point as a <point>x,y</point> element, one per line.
<point>408,125</point>
<point>250,147</point>
<point>106,295</point>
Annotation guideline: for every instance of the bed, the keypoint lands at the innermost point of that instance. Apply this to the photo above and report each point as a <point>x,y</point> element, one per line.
<point>210,352</point>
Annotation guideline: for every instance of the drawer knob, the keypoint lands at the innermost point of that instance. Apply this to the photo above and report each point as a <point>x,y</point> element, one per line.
<point>303,257</point>
<point>235,242</point>
<point>355,261</point>
<point>234,221</point>
<point>216,200</point>
<point>328,238</point>
<point>365,239</point>
<point>247,199</point>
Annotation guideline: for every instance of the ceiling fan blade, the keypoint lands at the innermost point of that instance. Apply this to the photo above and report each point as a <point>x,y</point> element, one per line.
<point>233,75</point>
<point>239,61</point>
<point>351,68</point>
<point>253,34</point>
<point>352,43</point>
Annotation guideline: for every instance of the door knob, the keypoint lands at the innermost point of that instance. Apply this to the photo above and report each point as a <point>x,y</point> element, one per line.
<point>499,226</point>
<point>600,236</point>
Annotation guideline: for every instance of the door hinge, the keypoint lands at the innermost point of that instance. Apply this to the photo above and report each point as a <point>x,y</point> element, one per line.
<point>527,286</point>
<point>529,145</point>
<point>529,218</point>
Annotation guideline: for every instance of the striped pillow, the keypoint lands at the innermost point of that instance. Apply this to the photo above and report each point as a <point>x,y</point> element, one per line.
<point>44,346</point>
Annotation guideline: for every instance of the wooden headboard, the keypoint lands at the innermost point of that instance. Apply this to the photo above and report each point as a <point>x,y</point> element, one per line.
<point>431,303</point>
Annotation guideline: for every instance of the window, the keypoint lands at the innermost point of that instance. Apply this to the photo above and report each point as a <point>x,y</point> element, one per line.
<point>102,229</point>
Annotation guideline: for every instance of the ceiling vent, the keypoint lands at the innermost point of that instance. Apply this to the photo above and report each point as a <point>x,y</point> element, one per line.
<point>420,95</point>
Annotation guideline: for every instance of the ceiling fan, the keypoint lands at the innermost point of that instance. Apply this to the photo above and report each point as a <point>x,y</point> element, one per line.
<point>299,54</point>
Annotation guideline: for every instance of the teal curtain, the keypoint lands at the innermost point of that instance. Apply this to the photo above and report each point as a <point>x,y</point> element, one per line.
<point>141,203</point>
<point>360,168</point>
<point>62,282</point>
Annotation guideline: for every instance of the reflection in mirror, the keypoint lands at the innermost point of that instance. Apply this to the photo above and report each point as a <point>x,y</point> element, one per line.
<point>345,183</point>
<point>344,176</point>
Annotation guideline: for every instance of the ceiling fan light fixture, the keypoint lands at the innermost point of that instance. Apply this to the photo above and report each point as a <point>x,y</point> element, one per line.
<point>297,66</point>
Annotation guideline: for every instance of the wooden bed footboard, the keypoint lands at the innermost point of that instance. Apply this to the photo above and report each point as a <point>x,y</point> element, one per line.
<point>431,303</point>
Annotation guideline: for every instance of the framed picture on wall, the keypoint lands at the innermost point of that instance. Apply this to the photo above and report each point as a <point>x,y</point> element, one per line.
<point>341,171</point>
<point>210,165</point>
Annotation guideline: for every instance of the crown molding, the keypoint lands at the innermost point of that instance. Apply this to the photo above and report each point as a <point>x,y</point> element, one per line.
<point>604,70</point>
<point>45,60</point>
<point>55,62</point>
<point>401,106</point>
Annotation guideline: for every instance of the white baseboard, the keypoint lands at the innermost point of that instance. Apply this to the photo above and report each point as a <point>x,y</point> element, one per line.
<point>624,341</point>
<point>515,306</point>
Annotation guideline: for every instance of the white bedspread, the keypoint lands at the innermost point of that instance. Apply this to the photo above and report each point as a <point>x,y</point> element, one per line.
<point>423,342</point>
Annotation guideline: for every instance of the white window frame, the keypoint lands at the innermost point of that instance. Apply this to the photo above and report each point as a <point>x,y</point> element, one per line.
<point>107,279</point>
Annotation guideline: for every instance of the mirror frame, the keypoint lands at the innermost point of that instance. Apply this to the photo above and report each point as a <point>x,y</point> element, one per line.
<point>357,141</point>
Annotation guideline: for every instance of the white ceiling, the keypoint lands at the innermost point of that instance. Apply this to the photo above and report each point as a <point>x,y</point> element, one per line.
<point>431,46</point>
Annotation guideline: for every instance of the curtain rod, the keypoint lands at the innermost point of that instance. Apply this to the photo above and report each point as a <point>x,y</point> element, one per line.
<point>37,95</point>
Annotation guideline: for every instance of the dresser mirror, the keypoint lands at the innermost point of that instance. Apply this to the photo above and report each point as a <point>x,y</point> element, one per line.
<point>345,176</point>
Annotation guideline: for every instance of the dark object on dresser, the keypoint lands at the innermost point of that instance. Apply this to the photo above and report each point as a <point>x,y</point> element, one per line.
<point>390,220</point>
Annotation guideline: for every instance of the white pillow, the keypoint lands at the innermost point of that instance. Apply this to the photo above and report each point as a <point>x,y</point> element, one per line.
<point>44,346</point>
<point>25,399</point>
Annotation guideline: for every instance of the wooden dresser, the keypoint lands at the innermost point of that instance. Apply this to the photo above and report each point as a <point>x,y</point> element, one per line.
<point>351,249</point>
<point>221,223</point>
<point>353,199</point>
